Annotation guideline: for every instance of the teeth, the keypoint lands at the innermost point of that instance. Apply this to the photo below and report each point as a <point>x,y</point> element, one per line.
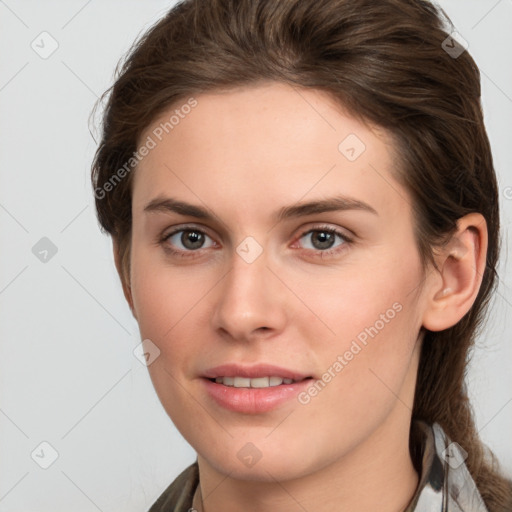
<point>259,382</point>
<point>242,382</point>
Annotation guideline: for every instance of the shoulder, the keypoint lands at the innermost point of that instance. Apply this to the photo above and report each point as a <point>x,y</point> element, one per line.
<point>178,496</point>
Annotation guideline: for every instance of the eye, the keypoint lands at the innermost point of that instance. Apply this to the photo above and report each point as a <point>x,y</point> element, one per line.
<point>187,240</point>
<point>323,239</point>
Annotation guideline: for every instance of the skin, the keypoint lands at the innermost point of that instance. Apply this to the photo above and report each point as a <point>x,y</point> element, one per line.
<point>243,154</point>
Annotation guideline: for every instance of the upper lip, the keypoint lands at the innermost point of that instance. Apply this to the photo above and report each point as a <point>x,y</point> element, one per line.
<point>253,371</point>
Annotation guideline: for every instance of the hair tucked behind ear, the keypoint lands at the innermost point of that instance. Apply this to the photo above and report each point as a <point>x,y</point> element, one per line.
<point>384,62</point>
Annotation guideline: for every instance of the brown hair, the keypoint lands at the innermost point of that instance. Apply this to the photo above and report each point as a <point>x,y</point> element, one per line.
<point>385,62</point>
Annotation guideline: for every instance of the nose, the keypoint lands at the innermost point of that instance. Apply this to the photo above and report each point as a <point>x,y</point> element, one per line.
<point>251,301</point>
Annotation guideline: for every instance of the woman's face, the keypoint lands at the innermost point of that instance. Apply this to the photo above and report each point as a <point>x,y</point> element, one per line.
<point>257,271</point>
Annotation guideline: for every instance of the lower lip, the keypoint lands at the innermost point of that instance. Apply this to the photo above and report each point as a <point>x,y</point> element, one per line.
<point>254,400</point>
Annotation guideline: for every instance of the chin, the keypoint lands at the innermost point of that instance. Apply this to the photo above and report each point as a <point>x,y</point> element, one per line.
<point>251,464</point>
<point>262,471</point>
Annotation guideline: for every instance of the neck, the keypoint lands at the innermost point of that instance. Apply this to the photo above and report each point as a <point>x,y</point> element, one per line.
<point>377,475</point>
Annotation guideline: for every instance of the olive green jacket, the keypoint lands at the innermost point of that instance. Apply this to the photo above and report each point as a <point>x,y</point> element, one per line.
<point>445,484</point>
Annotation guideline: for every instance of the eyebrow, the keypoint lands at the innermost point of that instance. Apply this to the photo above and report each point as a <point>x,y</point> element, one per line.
<point>337,203</point>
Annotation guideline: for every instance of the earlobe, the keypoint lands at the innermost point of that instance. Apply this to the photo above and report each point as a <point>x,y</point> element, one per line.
<point>127,291</point>
<point>461,265</point>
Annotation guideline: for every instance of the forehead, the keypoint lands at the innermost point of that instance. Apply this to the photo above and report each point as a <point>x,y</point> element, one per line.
<point>259,145</point>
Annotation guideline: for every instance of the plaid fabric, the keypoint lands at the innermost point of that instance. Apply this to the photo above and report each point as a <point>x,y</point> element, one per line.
<point>445,483</point>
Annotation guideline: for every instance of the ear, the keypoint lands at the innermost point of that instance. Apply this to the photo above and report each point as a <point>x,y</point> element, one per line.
<point>124,282</point>
<point>461,265</point>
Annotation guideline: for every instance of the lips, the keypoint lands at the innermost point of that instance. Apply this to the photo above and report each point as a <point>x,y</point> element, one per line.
<point>253,389</point>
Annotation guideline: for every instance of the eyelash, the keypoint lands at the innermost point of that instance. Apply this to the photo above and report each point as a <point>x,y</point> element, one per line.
<point>316,252</point>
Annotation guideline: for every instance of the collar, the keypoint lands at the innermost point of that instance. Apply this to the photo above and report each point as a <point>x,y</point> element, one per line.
<point>445,483</point>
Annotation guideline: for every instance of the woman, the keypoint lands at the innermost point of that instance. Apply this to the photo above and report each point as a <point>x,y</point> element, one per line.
<point>304,215</point>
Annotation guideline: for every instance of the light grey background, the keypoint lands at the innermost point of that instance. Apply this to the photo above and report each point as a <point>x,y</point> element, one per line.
<point>68,376</point>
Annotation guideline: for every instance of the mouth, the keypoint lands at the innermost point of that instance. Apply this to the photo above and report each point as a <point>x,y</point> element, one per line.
<point>253,389</point>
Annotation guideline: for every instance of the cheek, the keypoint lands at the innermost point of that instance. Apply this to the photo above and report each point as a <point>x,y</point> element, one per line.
<point>377,326</point>
<point>361,301</point>
<point>163,296</point>
<point>168,306</point>
<point>375,319</point>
